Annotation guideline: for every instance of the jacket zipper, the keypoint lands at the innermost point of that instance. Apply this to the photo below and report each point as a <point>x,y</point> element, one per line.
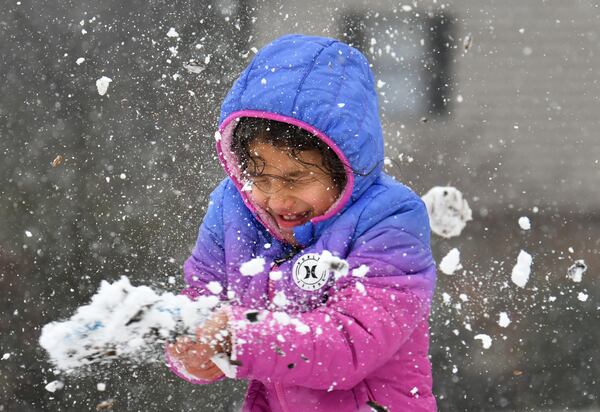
<point>271,293</point>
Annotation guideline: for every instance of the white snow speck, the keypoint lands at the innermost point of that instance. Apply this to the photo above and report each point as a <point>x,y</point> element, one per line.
<point>485,340</point>
<point>263,81</point>
<point>361,271</point>
<point>521,271</point>
<point>414,392</point>
<point>361,288</point>
<point>253,267</point>
<point>275,275</point>
<point>504,320</point>
<point>341,105</point>
<point>101,386</point>
<point>5,356</point>
<point>448,211</point>
<point>217,136</point>
<point>463,297</point>
<point>451,262</point>
<point>447,299</point>
<point>28,233</point>
<point>171,280</point>
<point>280,300</point>
<point>380,84</point>
<point>214,287</point>
<point>582,296</point>
<point>79,61</point>
<point>460,98</point>
<point>524,223</point>
<point>55,386</point>
<point>123,176</point>
<point>406,7</point>
<point>172,32</point>
<point>576,271</point>
<point>102,85</point>
<point>329,263</point>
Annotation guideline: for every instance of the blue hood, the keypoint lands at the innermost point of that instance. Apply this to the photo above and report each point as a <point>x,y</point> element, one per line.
<point>322,85</point>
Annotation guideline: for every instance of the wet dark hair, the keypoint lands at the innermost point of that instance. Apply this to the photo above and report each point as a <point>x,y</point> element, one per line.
<point>283,136</point>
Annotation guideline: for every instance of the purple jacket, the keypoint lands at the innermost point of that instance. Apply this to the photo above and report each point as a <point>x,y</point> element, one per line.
<point>306,339</point>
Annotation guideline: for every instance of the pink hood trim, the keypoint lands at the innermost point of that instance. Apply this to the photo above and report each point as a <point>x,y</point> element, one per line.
<point>230,163</point>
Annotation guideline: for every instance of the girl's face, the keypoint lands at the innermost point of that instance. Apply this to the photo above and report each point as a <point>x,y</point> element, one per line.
<point>292,190</point>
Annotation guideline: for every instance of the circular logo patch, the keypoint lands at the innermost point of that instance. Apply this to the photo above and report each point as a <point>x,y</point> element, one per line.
<point>306,275</point>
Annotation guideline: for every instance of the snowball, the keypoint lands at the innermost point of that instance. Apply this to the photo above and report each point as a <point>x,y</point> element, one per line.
<point>214,287</point>
<point>451,262</point>
<point>504,320</point>
<point>485,340</point>
<point>253,267</point>
<point>576,271</point>
<point>582,296</point>
<point>172,32</point>
<point>521,271</point>
<point>448,211</point>
<point>524,223</point>
<point>54,386</point>
<point>102,85</point>
<point>122,321</point>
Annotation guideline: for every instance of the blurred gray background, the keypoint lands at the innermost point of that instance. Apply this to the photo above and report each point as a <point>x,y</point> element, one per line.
<point>500,99</point>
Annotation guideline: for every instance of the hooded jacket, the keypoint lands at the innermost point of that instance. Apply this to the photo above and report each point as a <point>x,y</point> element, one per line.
<point>306,337</point>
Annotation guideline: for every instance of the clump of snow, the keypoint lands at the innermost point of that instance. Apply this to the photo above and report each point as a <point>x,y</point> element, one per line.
<point>576,271</point>
<point>504,320</point>
<point>275,275</point>
<point>253,266</point>
<point>123,321</point>
<point>214,287</point>
<point>329,263</point>
<point>582,296</point>
<point>172,32</point>
<point>101,386</point>
<point>524,223</point>
<point>361,288</point>
<point>361,271</point>
<point>521,271</point>
<point>448,211</point>
<point>55,386</point>
<point>486,341</point>
<point>451,262</point>
<point>102,85</point>
<point>79,60</point>
<point>280,299</point>
<point>5,356</point>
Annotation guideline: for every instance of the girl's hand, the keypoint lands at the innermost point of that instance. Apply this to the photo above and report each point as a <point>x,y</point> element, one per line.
<point>195,358</point>
<point>211,339</point>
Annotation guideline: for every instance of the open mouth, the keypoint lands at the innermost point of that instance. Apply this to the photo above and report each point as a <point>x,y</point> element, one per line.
<point>291,220</point>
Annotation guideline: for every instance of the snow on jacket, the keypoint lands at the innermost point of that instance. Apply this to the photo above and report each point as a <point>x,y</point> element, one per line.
<point>342,343</point>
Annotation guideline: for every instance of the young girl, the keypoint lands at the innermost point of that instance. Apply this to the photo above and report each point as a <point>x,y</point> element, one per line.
<point>321,260</point>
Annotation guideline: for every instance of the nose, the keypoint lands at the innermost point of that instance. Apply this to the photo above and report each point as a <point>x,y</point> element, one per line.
<point>281,202</point>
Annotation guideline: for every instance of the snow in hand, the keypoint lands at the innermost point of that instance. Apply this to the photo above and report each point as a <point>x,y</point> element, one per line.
<point>122,321</point>
<point>448,211</point>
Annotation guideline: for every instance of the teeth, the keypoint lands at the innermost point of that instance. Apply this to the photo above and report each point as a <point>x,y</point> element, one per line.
<point>291,217</point>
